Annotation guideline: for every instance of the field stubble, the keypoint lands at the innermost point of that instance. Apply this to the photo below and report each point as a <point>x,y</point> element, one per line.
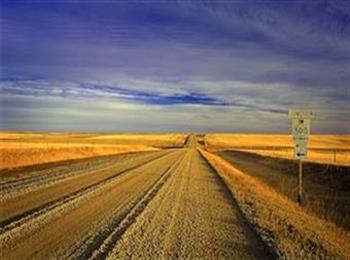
<point>326,187</point>
<point>330,149</point>
<point>21,149</point>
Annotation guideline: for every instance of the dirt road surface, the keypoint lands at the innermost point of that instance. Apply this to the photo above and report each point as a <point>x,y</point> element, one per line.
<point>156,205</point>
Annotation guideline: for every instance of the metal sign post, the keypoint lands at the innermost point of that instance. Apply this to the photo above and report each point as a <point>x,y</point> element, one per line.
<point>300,182</point>
<point>300,131</point>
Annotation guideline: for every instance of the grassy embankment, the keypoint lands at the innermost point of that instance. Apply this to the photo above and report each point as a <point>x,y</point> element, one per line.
<point>281,223</point>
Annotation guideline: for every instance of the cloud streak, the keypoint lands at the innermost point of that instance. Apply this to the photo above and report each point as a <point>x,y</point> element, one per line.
<point>251,58</point>
<point>95,90</point>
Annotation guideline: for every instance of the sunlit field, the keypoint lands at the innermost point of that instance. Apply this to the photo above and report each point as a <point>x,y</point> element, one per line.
<point>20,149</point>
<point>100,195</point>
<point>334,149</point>
<point>270,159</point>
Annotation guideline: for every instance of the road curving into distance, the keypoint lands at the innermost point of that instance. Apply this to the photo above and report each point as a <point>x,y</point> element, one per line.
<point>163,204</point>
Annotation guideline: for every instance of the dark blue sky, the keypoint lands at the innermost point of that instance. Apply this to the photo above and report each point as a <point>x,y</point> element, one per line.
<point>234,66</point>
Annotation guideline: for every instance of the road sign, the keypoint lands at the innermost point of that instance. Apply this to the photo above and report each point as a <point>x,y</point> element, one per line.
<point>300,123</point>
<point>300,150</point>
<point>300,131</point>
<point>300,128</point>
<point>298,113</point>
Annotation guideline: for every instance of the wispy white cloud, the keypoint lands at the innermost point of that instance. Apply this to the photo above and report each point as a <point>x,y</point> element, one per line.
<point>242,106</point>
<point>144,66</point>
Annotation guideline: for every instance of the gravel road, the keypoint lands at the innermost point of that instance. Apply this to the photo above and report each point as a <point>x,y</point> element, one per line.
<point>162,204</point>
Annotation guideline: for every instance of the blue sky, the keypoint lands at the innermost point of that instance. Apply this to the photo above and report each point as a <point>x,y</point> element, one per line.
<point>225,66</point>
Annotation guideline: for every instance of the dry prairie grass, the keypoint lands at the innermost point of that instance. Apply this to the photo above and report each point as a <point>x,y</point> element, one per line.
<point>326,187</point>
<point>158,140</point>
<point>281,223</point>
<point>22,139</point>
<point>316,141</point>
<point>22,149</point>
<point>333,149</point>
<point>18,157</point>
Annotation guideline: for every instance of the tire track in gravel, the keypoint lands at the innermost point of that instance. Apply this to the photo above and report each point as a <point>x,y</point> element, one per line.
<point>66,231</point>
<point>166,192</point>
<point>17,209</point>
<point>63,172</point>
<point>101,250</point>
<point>21,219</point>
<point>56,173</point>
<point>193,216</point>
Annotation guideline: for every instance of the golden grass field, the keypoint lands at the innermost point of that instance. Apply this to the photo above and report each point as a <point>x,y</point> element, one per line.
<point>21,149</point>
<point>168,196</point>
<point>322,148</point>
<point>270,159</point>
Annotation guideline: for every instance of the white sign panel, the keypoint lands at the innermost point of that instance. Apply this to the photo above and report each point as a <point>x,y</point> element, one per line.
<point>300,128</point>
<point>298,113</point>
<point>300,131</point>
<point>300,149</point>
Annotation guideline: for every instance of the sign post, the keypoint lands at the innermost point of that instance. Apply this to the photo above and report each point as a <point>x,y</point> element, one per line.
<point>300,131</point>
<point>300,182</point>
